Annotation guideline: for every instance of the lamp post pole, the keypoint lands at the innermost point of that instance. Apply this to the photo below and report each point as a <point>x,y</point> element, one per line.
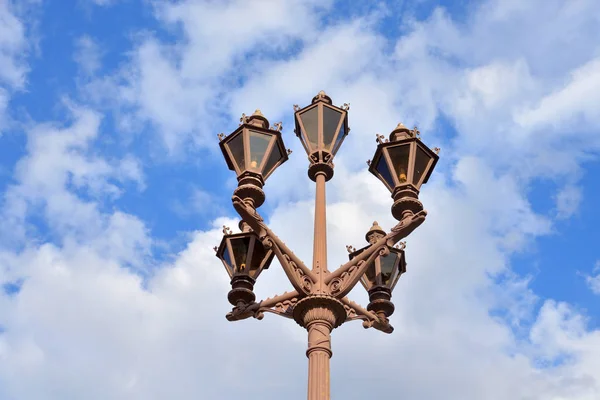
<point>319,301</point>
<point>321,320</point>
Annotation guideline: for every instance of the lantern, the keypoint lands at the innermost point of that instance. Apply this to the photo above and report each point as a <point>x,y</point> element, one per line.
<point>244,257</point>
<point>321,126</point>
<point>385,271</point>
<point>403,161</point>
<point>254,148</point>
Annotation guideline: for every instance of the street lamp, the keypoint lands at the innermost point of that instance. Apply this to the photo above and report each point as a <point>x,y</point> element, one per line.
<point>244,257</point>
<point>382,274</point>
<point>318,301</point>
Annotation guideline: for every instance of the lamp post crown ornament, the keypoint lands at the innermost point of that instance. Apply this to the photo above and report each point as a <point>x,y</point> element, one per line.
<point>374,233</point>
<point>318,301</point>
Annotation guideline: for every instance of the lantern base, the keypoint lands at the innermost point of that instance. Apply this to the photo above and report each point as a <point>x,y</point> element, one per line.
<point>380,302</point>
<point>242,287</point>
<point>250,189</point>
<point>406,199</point>
<point>320,163</point>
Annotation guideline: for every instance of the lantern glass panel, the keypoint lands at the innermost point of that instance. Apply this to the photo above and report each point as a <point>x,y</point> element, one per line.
<point>340,137</point>
<point>258,256</point>
<point>259,142</point>
<point>310,120</point>
<point>368,279</point>
<point>331,120</point>
<point>388,270</point>
<point>384,171</point>
<point>400,156</point>
<point>239,247</point>
<point>273,160</point>
<point>227,259</point>
<point>421,162</point>
<point>236,147</point>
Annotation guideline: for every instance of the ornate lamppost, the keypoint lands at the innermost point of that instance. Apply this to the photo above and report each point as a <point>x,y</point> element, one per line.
<point>319,301</point>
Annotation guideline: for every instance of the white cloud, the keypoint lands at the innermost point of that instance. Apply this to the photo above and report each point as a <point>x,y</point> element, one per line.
<point>87,55</point>
<point>13,68</point>
<point>12,44</point>
<point>593,280</point>
<point>568,105</point>
<point>57,166</point>
<point>567,201</point>
<point>191,74</point>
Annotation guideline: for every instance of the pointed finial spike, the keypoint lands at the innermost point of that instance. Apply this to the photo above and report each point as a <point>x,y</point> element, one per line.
<point>258,112</point>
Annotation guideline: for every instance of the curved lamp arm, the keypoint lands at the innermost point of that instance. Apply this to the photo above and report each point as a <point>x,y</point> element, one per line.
<point>281,305</point>
<point>343,279</point>
<point>299,275</point>
<point>370,319</point>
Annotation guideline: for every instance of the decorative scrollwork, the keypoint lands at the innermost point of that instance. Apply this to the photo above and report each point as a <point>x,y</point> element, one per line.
<point>416,132</point>
<point>351,249</point>
<point>370,320</point>
<point>400,246</point>
<point>221,136</point>
<point>381,139</point>
<point>346,106</point>
<point>384,251</point>
<point>227,230</point>
<point>335,286</point>
<point>278,126</point>
<point>285,308</point>
<point>351,272</point>
<point>350,312</point>
<point>267,242</point>
<point>243,119</point>
<point>296,107</point>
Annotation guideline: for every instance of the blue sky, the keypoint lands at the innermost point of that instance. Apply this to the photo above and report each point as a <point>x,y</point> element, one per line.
<point>113,192</point>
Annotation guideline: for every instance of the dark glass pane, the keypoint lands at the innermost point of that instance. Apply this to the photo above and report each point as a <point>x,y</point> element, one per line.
<point>340,137</point>
<point>310,120</point>
<point>421,161</point>
<point>257,257</point>
<point>227,259</point>
<point>236,146</point>
<point>368,278</point>
<point>384,171</point>
<point>399,156</point>
<point>239,246</point>
<point>331,120</point>
<point>273,160</point>
<point>387,268</point>
<point>258,147</point>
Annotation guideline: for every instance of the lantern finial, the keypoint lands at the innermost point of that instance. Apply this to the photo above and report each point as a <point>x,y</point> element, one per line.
<point>401,132</point>
<point>374,233</point>
<point>322,96</point>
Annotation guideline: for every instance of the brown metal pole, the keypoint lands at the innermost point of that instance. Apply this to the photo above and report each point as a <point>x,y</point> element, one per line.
<point>319,321</point>
<point>320,238</point>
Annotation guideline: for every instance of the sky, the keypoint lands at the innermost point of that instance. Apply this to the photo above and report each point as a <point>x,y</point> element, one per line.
<point>113,192</point>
